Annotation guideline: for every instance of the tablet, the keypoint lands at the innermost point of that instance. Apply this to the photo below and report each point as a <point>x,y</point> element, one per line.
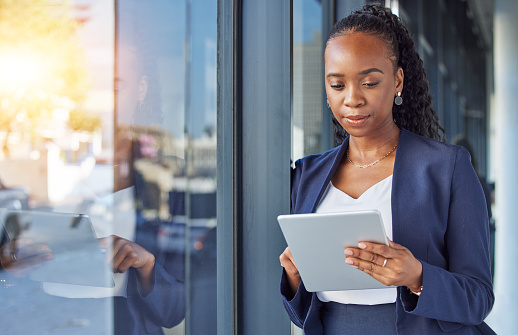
<point>78,259</point>
<point>317,243</point>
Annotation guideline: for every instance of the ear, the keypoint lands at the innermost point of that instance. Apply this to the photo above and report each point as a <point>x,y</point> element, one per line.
<point>400,76</point>
<point>142,88</point>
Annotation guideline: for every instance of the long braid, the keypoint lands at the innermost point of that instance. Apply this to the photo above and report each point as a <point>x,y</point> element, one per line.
<point>416,113</point>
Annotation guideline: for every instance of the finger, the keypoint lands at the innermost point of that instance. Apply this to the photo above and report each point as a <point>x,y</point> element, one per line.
<point>16,255</point>
<point>364,265</point>
<point>377,248</point>
<point>32,251</point>
<point>126,263</point>
<point>111,245</point>
<point>286,257</point>
<point>288,263</point>
<point>381,274</point>
<point>36,261</point>
<point>21,242</point>
<point>365,255</point>
<point>376,273</point>
<point>124,256</point>
<point>290,256</point>
<point>23,267</point>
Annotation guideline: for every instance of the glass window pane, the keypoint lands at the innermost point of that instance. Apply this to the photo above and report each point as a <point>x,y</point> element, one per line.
<point>307,78</point>
<point>108,167</point>
<point>307,81</point>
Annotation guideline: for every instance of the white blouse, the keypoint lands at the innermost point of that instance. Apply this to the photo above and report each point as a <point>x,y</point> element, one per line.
<point>377,197</point>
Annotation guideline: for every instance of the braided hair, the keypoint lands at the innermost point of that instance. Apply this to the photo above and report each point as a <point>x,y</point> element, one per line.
<point>416,113</point>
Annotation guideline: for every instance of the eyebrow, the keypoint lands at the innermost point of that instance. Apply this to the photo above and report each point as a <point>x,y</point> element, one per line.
<point>364,72</point>
<point>372,69</point>
<point>331,74</point>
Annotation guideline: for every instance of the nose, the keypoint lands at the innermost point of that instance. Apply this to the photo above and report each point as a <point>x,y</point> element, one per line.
<point>353,96</point>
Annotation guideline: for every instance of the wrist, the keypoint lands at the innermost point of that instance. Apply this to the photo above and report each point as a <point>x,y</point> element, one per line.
<point>416,285</point>
<point>416,292</point>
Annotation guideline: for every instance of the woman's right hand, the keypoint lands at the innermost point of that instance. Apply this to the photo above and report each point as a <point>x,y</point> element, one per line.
<point>20,256</point>
<point>292,272</point>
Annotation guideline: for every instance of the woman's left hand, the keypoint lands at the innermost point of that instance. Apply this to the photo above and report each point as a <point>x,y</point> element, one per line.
<point>390,265</point>
<point>125,254</point>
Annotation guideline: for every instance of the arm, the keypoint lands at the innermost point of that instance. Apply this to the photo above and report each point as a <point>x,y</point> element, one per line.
<point>459,292</point>
<point>164,305</point>
<point>157,294</point>
<point>462,293</point>
<point>297,305</point>
<point>296,298</point>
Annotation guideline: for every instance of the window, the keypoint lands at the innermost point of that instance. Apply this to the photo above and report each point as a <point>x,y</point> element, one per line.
<point>108,109</point>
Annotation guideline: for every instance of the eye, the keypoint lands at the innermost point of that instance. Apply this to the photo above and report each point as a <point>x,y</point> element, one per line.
<point>337,86</point>
<point>370,84</point>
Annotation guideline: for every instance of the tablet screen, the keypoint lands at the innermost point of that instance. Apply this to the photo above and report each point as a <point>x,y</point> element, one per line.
<point>78,259</point>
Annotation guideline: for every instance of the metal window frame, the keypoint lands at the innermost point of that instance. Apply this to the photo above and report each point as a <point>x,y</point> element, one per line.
<point>254,146</point>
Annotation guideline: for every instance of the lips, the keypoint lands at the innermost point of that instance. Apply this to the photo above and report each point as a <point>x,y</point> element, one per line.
<point>356,120</point>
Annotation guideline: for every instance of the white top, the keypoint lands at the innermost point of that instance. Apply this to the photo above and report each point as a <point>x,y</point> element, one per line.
<point>377,197</point>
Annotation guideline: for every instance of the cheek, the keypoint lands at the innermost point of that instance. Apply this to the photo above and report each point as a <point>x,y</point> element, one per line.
<point>383,101</point>
<point>333,97</point>
<point>334,105</point>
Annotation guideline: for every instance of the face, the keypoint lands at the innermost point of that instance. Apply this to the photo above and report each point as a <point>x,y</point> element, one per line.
<point>361,83</point>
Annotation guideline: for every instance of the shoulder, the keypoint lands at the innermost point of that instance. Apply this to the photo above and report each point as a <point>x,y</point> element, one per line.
<point>313,161</point>
<point>427,149</point>
<point>311,173</point>
<point>315,166</point>
<point>429,161</point>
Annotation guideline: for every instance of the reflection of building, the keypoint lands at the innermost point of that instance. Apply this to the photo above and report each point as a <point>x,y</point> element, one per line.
<point>201,156</point>
<point>307,91</point>
<point>164,164</point>
<point>195,157</point>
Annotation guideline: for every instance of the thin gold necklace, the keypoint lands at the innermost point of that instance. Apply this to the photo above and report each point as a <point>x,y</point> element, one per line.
<point>371,164</point>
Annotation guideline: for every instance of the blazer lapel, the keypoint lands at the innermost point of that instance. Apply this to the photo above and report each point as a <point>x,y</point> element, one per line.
<point>325,173</point>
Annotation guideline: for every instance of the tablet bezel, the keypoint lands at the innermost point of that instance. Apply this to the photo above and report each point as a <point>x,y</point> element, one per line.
<point>317,242</point>
<point>78,258</point>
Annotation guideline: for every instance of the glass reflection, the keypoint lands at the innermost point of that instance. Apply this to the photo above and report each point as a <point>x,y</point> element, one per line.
<point>307,78</point>
<point>119,143</point>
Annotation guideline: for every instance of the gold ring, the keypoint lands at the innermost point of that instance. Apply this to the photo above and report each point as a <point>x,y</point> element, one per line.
<point>384,263</point>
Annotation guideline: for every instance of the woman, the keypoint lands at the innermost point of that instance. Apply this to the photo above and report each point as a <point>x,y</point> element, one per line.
<point>431,201</point>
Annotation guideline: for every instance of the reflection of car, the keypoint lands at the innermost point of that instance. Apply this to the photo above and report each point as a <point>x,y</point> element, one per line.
<point>171,235</point>
<point>200,219</point>
<point>13,198</point>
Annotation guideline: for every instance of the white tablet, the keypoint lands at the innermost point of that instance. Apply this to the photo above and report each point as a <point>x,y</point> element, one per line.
<point>78,259</point>
<point>317,243</point>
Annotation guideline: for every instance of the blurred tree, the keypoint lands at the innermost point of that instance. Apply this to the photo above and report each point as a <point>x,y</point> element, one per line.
<point>42,67</point>
<point>80,121</point>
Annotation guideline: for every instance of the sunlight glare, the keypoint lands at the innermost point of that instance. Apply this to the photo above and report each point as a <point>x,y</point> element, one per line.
<point>20,70</point>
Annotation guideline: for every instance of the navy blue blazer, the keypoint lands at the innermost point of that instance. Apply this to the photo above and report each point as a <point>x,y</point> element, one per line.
<point>439,213</point>
<point>164,306</point>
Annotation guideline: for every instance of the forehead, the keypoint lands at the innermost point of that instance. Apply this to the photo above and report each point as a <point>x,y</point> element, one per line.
<point>357,51</point>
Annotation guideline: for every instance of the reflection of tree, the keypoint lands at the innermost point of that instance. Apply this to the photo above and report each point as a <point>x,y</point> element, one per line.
<point>42,71</point>
<point>79,120</point>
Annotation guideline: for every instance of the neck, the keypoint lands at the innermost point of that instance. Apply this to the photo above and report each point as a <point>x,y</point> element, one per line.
<point>368,148</point>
